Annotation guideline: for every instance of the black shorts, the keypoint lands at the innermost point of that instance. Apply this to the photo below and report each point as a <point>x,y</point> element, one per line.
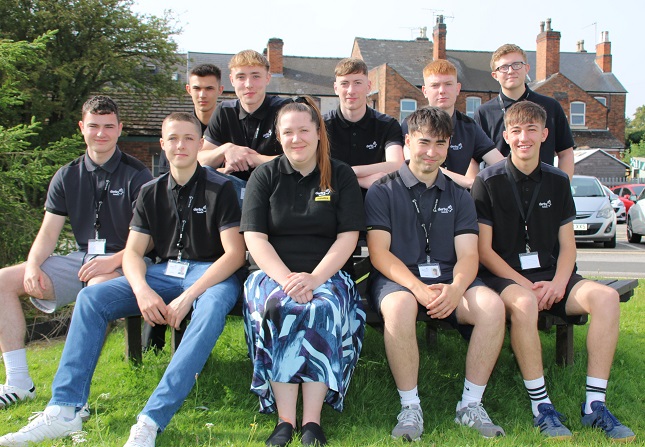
<point>558,309</point>
<point>381,287</point>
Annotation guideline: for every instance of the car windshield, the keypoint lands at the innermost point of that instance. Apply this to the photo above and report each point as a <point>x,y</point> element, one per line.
<point>586,187</point>
<point>610,194</point>
<point>637,189</point>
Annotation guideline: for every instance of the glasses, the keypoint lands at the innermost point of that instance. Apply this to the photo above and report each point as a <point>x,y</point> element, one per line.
<point>507,67</point>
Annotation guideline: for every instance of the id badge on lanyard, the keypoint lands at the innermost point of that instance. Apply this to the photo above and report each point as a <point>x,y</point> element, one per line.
<point>96,246</point>
<point>177,269</point>
<point>529,260</point>
<point>430,270</point>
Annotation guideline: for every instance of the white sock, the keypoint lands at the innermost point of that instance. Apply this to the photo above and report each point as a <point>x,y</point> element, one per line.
<point>472,393</point>
<point>537,392</point>
<point>410,397</point>
<point>596,390</point>
<point>15,363</point>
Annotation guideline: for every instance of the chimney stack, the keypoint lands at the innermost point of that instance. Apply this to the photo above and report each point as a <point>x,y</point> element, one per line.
<point>580,46</point>
<point>274,54</point>
<point>603,52</point>
<point>547,58</point>
<point>439,39</point>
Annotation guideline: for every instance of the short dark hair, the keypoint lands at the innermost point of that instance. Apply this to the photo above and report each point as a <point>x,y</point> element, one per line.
<point>101,105</point>
<point>203,70</point>
<point>350,65</point>
<point>431,120</point>
<point>186,117</point>
<point>524,112</point>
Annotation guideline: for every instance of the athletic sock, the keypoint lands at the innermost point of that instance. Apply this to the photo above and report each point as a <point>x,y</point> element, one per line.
<point>537,393</point>
<point>410,397</point>
<point>596,390</point>
<point>472,393</point>
<point>15,363</point>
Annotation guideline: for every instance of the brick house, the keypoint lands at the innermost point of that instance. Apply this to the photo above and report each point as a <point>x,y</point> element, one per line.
<point>590,94</point>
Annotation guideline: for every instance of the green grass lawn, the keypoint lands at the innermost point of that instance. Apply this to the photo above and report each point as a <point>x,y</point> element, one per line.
<point>221,411</point>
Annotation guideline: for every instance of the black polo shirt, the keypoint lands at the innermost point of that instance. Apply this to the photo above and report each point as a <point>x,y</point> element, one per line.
<point>213,209</point>
<point>490,116</point>
<point>301,221</point>
<point>497,207</point>
<point>77,187</point>
<point>389,207</point>
<point>468,141</point>
<point>363,142</point>
<point>230,123</point>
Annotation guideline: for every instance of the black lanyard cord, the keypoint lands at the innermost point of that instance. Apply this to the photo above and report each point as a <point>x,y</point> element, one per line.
<point>525,216</point>
<point>428,227</point>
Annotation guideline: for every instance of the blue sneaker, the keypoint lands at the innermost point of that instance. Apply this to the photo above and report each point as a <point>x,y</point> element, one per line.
<point>601,417</point>
<point>550,422</point>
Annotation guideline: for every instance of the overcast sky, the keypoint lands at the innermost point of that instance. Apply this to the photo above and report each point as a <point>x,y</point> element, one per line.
<point>328,28</point>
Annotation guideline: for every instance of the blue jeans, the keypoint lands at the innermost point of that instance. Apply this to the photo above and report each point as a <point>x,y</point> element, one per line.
<point>98,304</point>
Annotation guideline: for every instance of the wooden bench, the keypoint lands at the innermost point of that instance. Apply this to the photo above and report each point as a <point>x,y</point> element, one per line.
<point>564,349</point>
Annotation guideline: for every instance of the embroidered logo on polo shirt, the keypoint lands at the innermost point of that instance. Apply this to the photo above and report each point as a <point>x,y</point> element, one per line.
<point>268,134</point>
<point>456,147</point>
<point>445,210</point>
<point>117,192</point>
<point>545,205</point>
<point>323,196</point>
<point>372,146</point>
<point>201,210</point>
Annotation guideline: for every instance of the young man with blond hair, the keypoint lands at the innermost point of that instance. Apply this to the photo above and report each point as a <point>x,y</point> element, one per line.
<point>369,141</point>
<point>241,133</point>
<point>97,192</point>
<point>468,141</point>
<point>422,238</point>
<point>191,217</point>
<point>509,68</point>
<point>528,252</point>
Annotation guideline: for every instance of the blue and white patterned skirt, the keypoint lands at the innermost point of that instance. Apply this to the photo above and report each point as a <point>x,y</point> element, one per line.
<point>293,343</point>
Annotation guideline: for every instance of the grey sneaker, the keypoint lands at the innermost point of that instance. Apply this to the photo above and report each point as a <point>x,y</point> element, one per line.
<point>410,425</point>
<point>474,416</point>
<point>550,422</point>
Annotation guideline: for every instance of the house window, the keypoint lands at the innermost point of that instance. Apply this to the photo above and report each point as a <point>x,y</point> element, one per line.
<point>602,100</point>
<point>156,159</point>
<point>578,113</point>
<point>472,104</point>
<point>407,107</point>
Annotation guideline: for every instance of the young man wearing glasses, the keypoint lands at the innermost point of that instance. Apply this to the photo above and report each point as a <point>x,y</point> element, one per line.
<point>509,68</point>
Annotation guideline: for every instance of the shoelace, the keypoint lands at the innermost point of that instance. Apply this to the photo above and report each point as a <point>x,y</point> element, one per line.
<point>479,412</point>
<point>553,416</point>
<point>34,420</point>
<point>410,416</point>
<point>605,419</point>
<point>141,433</point>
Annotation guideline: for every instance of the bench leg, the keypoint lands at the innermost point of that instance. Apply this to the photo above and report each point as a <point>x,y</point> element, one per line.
<point>564,345</point>
<point>176,335</point>
<point>133,339</point>
<point>431,336</point>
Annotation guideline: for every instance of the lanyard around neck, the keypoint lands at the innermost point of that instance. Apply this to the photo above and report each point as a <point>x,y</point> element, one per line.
<point>182,217</point>
<point>525,216</point>
<point>428,227</point>
<point>98,203</point>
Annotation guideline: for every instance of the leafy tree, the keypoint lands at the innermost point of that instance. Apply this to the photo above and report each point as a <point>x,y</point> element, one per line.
<point>98,45</point>
<point>635,128</point>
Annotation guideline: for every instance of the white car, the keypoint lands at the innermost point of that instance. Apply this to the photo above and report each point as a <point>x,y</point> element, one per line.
<point>595,218</point>
<point>636,219</point>
<point>617,205</point>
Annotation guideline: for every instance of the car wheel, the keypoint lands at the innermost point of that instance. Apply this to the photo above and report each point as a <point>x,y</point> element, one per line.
<point>611,243</point>
<point>631,236</point>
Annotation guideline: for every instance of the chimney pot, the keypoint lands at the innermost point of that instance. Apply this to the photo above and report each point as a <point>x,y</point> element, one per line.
<point>548,24</point>
<point>542,26</point>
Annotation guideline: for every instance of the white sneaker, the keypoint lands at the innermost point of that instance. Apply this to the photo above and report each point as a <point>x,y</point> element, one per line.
<point>44,425</point>
<point>142,435</point>
<point>10,395</point>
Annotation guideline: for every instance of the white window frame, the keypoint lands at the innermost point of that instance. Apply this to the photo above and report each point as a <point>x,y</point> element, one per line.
<point>470,100</point>
<point>602,100</point>
<point>404,112</point>
<point>574,117</point>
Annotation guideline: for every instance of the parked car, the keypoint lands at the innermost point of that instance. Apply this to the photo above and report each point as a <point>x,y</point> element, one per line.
<point>617,204</point>
<point>628,191</point>
<point>636,219</point>
<point>595,218</point>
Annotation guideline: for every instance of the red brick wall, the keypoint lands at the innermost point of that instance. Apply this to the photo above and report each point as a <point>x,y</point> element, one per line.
<point>142,150</point>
